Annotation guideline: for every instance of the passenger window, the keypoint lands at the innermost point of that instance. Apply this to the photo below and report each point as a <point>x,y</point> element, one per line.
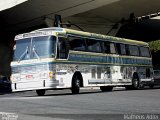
<point>106,47</point>
<point>109,47</point>
<point>121,49</point>
<point>77,43</point>
<point>127,49</point>
<point>94,45</point>
<point>118,48</point>
<point>144,51</point>
<point>112,48</point>
<point>133,50</point>
<point>62,51</point>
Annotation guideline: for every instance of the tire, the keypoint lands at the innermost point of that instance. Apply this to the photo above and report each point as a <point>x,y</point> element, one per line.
<point>40,92</point>
<point>135,82</point>
<point>106,88</point>
<point>75,85</point>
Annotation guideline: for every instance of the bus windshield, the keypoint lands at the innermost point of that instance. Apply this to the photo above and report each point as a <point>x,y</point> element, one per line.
<point>36,47</point>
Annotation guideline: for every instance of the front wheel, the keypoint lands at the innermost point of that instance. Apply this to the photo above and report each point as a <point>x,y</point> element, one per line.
<point>75,85</point>
<point>106,88</point>
<point>40,92</point>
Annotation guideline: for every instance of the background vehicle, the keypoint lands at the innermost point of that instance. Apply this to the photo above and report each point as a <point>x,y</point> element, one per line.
<point>157,74</point>
<point>5,85</point>
<point>156,77</point>
<point>59,58</point>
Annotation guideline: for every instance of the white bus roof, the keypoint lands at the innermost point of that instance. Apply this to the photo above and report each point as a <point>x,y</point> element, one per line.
<point>65,31</point>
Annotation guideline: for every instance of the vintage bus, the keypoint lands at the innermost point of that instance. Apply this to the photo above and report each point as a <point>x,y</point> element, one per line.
<point>59,58</point>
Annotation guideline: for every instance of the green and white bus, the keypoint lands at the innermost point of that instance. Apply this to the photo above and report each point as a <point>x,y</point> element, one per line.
<point>60,58</point>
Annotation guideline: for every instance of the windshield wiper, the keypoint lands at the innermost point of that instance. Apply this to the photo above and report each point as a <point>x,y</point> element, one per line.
<point>34,51</point>
<point>24,54</point>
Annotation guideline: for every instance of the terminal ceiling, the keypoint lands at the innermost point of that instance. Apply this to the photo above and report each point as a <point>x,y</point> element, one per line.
<point>92,15</point>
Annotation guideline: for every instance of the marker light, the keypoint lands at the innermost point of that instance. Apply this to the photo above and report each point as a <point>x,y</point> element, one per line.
<point>51,75</point>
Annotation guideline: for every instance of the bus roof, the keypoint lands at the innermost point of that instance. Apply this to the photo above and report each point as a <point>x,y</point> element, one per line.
<point>105,37</point>
<point>65,31</point>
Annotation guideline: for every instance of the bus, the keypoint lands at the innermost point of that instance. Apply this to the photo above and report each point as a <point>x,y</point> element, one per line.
<point>60,58</point>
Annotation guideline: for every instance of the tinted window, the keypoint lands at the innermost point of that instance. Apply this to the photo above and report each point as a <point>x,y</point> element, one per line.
<point>62,52</point>
<point>77,44</point>
<point>109,47</point>
<point>106,47</point>
<point>144,52</point>
<point>93,45</point>
<point>112,48</point>
<point>118,48</point>
<point>121,49</point>
<point>127,49</point>
<point>133,50</point>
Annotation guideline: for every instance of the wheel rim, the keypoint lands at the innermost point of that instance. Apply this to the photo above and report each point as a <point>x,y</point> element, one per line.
<point>135,83</point>
<point>76,86</point>
<point>77,83</point>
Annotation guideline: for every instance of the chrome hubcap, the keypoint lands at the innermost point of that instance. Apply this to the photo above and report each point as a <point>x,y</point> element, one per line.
<point>135,81</point>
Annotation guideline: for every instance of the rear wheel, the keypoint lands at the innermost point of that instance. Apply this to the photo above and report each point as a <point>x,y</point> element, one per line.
<point>75,85</point>
<point>135,82</point>
<point>106,88</point>
<point>40,92</point>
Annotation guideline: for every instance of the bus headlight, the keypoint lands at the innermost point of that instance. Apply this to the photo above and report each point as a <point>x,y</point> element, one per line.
<point>15,78</point>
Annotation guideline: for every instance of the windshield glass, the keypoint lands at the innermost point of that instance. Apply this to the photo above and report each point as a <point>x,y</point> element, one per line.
<point>22,49</point>
<point>35,48</point>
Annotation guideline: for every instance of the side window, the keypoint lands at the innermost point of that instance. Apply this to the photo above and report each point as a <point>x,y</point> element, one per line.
<point>127,49</point>
<point>94,45</point>
<point>106,47</point>
<point>77,44</point>
<point>118,48</point>
<point>62,50</point>
<point>112,48</point>
<point>144,51</point>
<point>109,47</point>
<point>121,48</point>
<point>133,50</point>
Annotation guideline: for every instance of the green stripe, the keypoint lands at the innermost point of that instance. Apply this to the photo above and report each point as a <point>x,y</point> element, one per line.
<point>75,62</point>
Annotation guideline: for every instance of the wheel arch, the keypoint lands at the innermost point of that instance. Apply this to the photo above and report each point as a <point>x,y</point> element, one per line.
<point>135,74</point>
